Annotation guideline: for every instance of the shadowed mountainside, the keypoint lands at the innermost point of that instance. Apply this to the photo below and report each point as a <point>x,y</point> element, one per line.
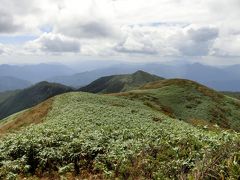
<point>29,97</point>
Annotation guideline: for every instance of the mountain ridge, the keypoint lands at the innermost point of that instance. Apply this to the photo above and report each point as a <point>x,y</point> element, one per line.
<point>189,101</point>
<point>119,83</point>
<point>224,78</point>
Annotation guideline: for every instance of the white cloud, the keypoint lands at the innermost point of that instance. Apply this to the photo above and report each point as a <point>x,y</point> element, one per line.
<point>227,46</point>
<point>148,40</point>
<point>195,42</point>
<point>137,42</point>
<point>1,49</point>
<point>154,28</point>
<point>54,43</point>
<point>8,25</point>
<point>168,40</point>
<point>4,50</point>
<point>87,29</point>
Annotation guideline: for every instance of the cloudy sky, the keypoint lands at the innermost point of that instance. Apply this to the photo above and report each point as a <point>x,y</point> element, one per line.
<point>33,31</point>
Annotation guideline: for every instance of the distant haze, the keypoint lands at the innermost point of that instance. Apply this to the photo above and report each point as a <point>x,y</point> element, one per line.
<point>225,78</point>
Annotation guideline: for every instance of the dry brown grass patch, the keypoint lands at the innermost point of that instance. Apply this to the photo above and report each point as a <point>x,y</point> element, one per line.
<point>203,123</point>
<point>34,115</point>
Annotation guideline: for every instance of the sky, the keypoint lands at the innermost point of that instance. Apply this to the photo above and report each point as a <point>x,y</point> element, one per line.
<point>66,31</point>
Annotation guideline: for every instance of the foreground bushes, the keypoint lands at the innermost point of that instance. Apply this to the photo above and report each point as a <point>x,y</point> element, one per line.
<point>104,137</point>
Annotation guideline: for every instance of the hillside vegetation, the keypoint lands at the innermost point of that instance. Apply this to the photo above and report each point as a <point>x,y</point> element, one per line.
<point>6,94</point>
<point>120,83</point>
<point>191,102</point>
<point>29,97</point>
<point>232,94</point>
<point>105,137</point>
<point>25,118</point>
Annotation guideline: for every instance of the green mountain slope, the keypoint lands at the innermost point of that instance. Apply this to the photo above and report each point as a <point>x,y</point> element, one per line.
<point>232,94</point>
<point>6,94</point>
<point>191,102</point>
<point>89,136</point>
<point>29,97</point>
<point>120,83</point>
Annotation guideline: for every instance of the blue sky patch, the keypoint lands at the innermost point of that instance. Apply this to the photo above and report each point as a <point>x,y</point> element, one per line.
<point>16,39</point>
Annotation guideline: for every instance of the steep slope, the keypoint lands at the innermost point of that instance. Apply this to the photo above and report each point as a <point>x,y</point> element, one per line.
<point>232,94</point>
<point>191,102</point>
<point>29,97</point>
<point>25,118</point>
<point>6,94</point>
<point>11,83</point>
<point>120,83</point>
<point>91,136</point>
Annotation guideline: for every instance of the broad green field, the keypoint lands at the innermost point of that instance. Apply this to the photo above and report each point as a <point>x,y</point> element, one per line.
<point>105,137</point>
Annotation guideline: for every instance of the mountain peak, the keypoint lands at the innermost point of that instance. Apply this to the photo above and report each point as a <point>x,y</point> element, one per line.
<point>140,72</point>
<point>120,83</point>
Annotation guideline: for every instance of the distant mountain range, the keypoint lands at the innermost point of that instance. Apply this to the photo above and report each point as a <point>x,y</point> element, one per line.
<point>14,77</point>
<point>34,73</point>
<point>84,78</point>
<point>225,78</point>
<point>11,83</point>
<point>220,78</point>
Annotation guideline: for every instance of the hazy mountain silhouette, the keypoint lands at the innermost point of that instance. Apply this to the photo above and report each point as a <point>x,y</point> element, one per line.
<point>11,83</point>
<point>34,73</point>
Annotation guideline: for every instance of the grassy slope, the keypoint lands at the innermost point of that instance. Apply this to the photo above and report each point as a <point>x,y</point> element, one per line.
<point>232,94</point>
<point>25,118</point>
<point>30,97</point>
<point>126,140</point>
<point>191,102</point>
<point>120,83</point>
